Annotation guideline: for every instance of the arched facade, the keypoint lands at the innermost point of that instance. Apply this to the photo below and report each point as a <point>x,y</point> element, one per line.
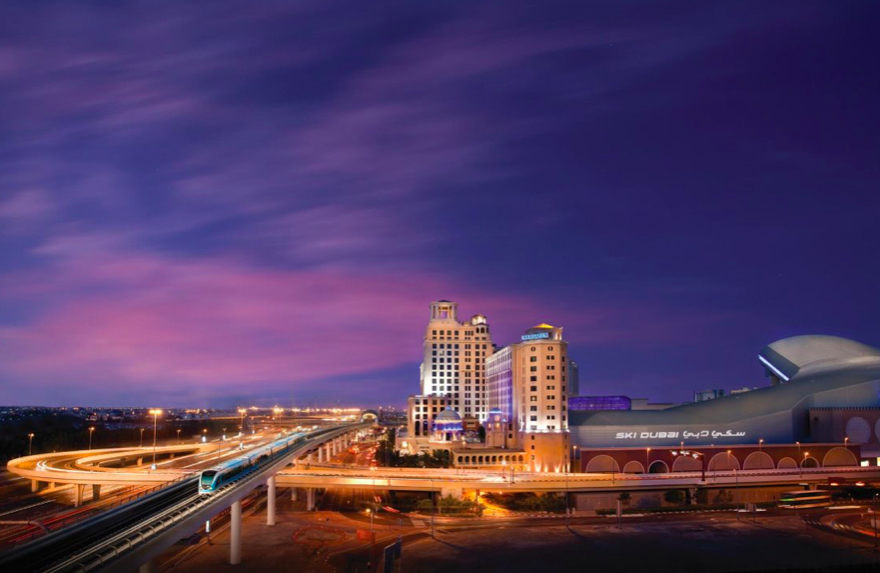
<point>787,464</point>
<point>758,461</point>
<point>722,462</point>
<point>687,464</point>
<point>633,467</point>
<point>658,467</point>
<point>485,460</point>
<point>602,463</point>
<point>810,462</point>
<point>838,457</point>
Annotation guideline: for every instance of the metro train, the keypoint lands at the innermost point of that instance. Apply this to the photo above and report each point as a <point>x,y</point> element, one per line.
<point>213,479</point>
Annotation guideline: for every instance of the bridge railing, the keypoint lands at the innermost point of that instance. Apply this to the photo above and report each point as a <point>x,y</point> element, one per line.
<point>66,518</point>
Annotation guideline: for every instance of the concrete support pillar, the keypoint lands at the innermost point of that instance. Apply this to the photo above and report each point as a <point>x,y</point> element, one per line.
<point>35,486</point>
<point>310,499</point>
<point>96,491</point>
<point>270,502</point>
<point>78,490</point>
<point>235,534</point>
<point>140,461</point>
<point>320,454</point>
<point>53,485</point>
<point>148,567</point>
<point>293,494</point>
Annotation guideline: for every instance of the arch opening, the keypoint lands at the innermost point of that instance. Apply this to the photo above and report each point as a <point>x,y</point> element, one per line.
<point>658,467</point>
<point>602,463</point>
<point>633,467</point>
<point>687,464</point>
<point>787,463</point>
<point>839,457</point>
<point>758,461</point>
<point>723,462</point>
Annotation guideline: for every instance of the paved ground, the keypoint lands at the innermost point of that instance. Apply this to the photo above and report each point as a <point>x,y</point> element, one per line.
<point>329,541</point>
<point>706,544</point>
<point>299,541</point>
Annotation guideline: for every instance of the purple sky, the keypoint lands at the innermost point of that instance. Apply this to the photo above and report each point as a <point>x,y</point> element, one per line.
<point>212,204</point>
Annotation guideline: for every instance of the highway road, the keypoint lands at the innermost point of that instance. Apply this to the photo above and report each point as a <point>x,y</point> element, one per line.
<point>133,533</point>
<point>50,510</point>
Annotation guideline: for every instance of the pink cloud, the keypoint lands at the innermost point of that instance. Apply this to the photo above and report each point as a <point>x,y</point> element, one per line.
<point>218,323</point>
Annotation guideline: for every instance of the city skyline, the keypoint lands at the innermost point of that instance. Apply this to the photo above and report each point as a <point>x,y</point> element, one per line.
<point>263,213</point>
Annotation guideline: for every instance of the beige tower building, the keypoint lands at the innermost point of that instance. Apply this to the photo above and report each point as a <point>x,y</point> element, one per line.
<point>528,386</point>
<point>454,364</point>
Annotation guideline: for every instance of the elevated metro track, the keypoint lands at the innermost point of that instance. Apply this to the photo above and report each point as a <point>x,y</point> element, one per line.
<point>129,536</point>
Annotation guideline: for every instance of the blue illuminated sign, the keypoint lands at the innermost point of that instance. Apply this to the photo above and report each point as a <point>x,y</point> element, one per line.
<point>536,336</point>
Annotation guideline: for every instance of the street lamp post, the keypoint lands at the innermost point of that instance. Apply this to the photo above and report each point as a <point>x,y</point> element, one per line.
<point>370,513</point>
<point>567,508</point>
<point>760,444</point>
<point>204,435</point>
<point>155,412</point>
<point>846,442</point>
<point>241,412</point>
<point>91,429</point>
<point>874,516</point>
<point>30,442</point>
<point>433,508</point>
<point>736,480</point>
<point>142,437</point>
<point>647,460</point>
<point>178,435</point>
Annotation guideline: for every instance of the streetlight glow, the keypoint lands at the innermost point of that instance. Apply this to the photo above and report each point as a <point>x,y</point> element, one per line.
<point>155,412</point>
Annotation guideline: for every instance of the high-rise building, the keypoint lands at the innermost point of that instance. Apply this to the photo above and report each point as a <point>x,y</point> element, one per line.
<point>454,363</point>
<point>528,386</point>
<point>574,379</point>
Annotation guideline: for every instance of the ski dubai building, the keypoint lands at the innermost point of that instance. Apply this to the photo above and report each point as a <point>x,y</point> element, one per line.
<point>823,390</point>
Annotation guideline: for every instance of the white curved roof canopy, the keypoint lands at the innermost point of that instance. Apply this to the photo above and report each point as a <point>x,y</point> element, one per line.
<point>789,356</point>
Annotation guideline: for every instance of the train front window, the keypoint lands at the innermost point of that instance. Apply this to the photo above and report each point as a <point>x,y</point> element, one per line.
<point>208,478</point>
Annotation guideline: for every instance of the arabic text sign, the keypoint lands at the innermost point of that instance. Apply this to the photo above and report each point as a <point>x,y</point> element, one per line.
<point>679,435</point>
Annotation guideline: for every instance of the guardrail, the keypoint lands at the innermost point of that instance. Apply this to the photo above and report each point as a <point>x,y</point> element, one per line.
<point>80,516</point>
<point>181,518</point>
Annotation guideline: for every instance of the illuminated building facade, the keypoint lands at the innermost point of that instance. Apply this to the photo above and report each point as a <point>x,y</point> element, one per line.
<point>454,363</point>
<point>823,390</point>
<point>528,384</point>
<point>421,411</point>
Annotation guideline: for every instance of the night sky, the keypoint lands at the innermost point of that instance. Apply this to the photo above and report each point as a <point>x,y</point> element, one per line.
<point>213,204</point>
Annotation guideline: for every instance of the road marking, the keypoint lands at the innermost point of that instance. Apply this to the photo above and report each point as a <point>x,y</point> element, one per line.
<point>25,507</point>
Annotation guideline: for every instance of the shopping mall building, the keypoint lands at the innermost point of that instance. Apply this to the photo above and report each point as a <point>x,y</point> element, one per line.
<point>822,408</point>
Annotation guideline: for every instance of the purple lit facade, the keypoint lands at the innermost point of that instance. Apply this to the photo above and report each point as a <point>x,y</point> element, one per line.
<point>584,403</point>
